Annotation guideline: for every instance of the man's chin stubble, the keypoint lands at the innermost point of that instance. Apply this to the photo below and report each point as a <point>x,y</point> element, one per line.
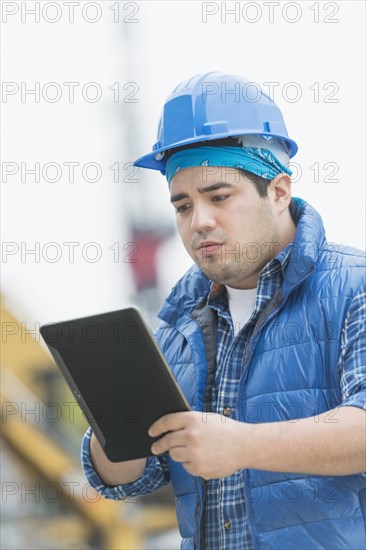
<point>224,274</point>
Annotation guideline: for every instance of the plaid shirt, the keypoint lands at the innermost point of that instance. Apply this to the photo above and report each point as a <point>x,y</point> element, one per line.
<point>226,519</point>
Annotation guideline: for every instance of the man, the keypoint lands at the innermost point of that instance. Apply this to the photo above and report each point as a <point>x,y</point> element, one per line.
<point>265,335</point>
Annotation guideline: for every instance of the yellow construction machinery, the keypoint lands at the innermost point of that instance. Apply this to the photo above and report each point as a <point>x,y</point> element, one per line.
<point>37,410</point>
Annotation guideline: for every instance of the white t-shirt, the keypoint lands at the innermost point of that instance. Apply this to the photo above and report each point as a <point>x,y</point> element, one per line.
<point>241,305</point>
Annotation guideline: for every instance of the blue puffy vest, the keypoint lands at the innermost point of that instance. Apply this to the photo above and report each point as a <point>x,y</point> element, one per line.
<point>290,372</point>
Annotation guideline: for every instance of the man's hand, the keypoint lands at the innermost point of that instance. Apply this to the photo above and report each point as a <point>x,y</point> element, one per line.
<point>211,446</point>
<point>207,444</point>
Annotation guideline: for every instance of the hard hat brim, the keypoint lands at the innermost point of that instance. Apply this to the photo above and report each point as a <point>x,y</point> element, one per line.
<point>149,161</point>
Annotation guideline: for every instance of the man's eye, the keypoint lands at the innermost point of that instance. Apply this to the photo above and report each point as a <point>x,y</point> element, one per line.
<point>219,198</point>
<point>182,208</point>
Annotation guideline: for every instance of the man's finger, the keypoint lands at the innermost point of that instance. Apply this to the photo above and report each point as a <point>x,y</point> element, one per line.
<point>168,423</point>
<point>179,454</point>
<point>167,442</point>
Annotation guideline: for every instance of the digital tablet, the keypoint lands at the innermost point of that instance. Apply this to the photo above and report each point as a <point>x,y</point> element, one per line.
<point>118,376</point>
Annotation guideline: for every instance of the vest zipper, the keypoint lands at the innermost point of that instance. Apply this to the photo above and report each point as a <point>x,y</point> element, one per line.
<point>199,538</point>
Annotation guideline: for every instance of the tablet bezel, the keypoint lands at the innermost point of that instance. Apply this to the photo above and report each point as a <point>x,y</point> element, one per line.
<point>157,367</point>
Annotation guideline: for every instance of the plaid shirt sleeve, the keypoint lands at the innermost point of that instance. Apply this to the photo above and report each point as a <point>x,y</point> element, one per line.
<point>352,362</point>
<point>155,475</point>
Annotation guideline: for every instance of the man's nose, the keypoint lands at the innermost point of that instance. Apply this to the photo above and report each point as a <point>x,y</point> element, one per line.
<point>202,218</point>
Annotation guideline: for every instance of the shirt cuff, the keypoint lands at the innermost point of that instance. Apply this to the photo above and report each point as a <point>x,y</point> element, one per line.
<point>356,400</point>
<point>119,492</point>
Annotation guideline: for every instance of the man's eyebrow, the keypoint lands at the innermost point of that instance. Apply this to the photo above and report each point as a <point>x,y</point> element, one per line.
<point>208,189</point>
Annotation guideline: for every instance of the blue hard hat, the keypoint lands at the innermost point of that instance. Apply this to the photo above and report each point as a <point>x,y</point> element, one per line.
<point>214,106</point>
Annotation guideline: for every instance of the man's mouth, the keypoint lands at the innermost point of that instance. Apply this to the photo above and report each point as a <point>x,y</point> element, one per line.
<point>209,247</point>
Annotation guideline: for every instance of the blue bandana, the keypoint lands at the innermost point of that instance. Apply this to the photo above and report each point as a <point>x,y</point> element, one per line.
<point>261,162</point>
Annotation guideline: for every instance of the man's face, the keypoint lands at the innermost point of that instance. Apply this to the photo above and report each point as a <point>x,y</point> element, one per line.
<point>226,227</point>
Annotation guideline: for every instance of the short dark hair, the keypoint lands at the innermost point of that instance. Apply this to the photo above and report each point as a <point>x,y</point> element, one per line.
<point>261,184</point>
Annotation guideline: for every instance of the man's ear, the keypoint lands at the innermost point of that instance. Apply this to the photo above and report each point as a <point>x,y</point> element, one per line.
<point>280,186</point>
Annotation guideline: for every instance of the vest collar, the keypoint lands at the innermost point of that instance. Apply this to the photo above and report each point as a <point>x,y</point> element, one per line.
<point>309,240</point>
